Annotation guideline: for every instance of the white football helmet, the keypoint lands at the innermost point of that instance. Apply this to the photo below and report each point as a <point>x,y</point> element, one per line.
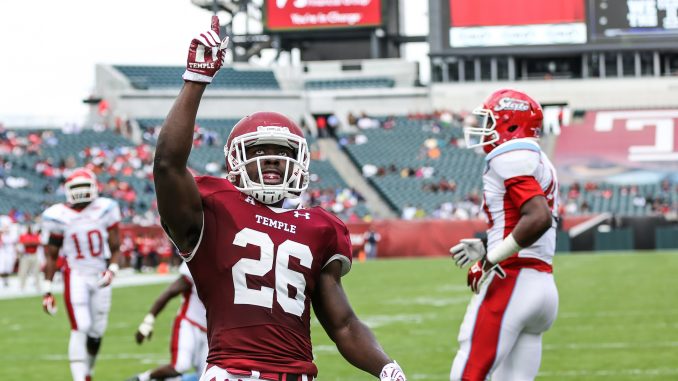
<point>267,128</point>
<point>81,186</point>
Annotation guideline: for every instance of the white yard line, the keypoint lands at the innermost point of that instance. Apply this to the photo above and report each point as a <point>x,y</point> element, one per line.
<point>618,345</point>
<point>125,279</point>
<point>650,372</point>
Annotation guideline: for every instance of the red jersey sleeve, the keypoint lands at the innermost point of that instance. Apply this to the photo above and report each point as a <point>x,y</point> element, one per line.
<point>520,189</point>
<point>208,185</point>
<point>342,248</point>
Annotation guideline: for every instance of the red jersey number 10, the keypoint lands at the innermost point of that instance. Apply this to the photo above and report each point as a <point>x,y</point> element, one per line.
<point>95,243</point>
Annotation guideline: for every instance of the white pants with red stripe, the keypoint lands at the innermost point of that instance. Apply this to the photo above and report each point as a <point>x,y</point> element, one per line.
<point>86,303</point>
<point>503,326</point>
<point>188,346</point>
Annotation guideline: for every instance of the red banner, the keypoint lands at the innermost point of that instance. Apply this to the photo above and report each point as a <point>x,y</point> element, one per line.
<point>314,14</point>
<point>516,12</point>
<point>619,144</point>
<point>483,23</point>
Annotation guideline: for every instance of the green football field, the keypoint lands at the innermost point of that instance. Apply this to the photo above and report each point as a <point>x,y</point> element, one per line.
<point>618,320</point>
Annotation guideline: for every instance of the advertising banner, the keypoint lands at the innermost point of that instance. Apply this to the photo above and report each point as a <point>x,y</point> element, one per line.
<point>288,15</point>
<point>482,23</point>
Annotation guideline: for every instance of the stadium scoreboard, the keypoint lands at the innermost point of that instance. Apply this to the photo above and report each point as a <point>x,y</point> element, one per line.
<point>633,20</point>
<point>486,27</point>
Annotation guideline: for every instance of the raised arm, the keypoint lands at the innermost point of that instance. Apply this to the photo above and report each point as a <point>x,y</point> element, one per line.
<point>353,338</point>
<point>179,202</point>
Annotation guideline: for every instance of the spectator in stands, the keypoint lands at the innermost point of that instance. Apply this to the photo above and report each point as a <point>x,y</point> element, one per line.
<point>447,186</point>
<point>389,123</point>
<point>29,264</point>
<point>585,207</point>
<point>365,122</point>
<point>409,212</point>
<point>371,239</point>
<point>333,125</point>
<point>321,125</point>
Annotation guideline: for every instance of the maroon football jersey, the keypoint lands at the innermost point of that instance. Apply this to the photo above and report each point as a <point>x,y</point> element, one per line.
<point>255,270</point>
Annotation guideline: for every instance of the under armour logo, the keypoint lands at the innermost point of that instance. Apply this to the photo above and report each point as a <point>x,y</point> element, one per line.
<point>250,200</point>
<point>307,215</point>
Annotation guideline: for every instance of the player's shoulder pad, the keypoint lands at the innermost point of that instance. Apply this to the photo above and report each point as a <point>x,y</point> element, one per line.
<point>333,220</point>
<point>106,203</point>
<point>54,212</point>
<point>209,185</point>
<point>519,157</point>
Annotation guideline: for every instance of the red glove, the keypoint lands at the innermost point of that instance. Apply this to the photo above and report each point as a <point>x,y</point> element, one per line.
<point>205,55</point>
<point>49,304</point>
<point>480,272</point>
<point>108,275</point>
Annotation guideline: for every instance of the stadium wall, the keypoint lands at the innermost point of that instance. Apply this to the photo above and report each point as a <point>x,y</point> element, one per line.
<point>632,93</point>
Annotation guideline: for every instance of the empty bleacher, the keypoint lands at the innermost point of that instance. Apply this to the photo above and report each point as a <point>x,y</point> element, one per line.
<point>401,147</point>
<point>163,77</point>
<point>349,83</point>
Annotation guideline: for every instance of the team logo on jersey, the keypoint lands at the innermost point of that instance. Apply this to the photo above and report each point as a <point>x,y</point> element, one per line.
<point>511,104</point>
<point>250,200</point>
<point>306,215</point>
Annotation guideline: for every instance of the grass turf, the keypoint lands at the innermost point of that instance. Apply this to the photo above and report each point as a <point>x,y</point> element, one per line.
<point>617,321</point>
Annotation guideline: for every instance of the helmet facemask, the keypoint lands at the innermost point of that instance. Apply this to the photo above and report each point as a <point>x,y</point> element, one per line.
<point>295,176</point>
<point>81,190</point>
<point>484,135</point>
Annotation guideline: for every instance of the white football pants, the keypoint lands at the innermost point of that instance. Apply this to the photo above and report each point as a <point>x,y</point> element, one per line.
<point>503,326</point>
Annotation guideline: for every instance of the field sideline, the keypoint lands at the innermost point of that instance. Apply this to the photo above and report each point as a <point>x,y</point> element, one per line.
<point>617,321</point>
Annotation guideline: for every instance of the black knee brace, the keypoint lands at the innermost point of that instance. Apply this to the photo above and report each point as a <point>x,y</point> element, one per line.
<point>93,345</point>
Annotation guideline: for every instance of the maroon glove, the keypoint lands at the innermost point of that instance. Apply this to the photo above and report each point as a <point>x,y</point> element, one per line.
<point>49,304</point>
<point>205,55</point>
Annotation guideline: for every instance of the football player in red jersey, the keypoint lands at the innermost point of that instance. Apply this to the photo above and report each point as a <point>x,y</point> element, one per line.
<point>83,231</point>
<point>258,268</point>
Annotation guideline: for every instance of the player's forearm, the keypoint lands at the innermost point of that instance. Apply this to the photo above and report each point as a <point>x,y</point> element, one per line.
<point>51,255</point>
<point>160,303</point>
<point>528,230</point>
<point>360,348</point>
<point>50,269</point>
<point>176,136</point>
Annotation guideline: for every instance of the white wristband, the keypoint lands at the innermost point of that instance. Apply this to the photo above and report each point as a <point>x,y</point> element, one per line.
<point>48,286</point>
<point>149,319</point>
<point>195,77</point>
<point>505,249</point>
<point>146,326</point>
<point>113,267</point>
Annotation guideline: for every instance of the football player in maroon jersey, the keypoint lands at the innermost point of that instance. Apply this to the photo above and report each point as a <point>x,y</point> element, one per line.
<point>258,268</point>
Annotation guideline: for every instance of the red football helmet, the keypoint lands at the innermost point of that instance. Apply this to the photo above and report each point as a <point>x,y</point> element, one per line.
<point>267,128</point>
<point>81,186</point>
<point>505,115</point>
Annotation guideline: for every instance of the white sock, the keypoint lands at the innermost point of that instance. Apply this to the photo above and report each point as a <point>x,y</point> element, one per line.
<point>90,363</point>
<point>146,376</point>
<point>78,370</point>
<point>77,354</point>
